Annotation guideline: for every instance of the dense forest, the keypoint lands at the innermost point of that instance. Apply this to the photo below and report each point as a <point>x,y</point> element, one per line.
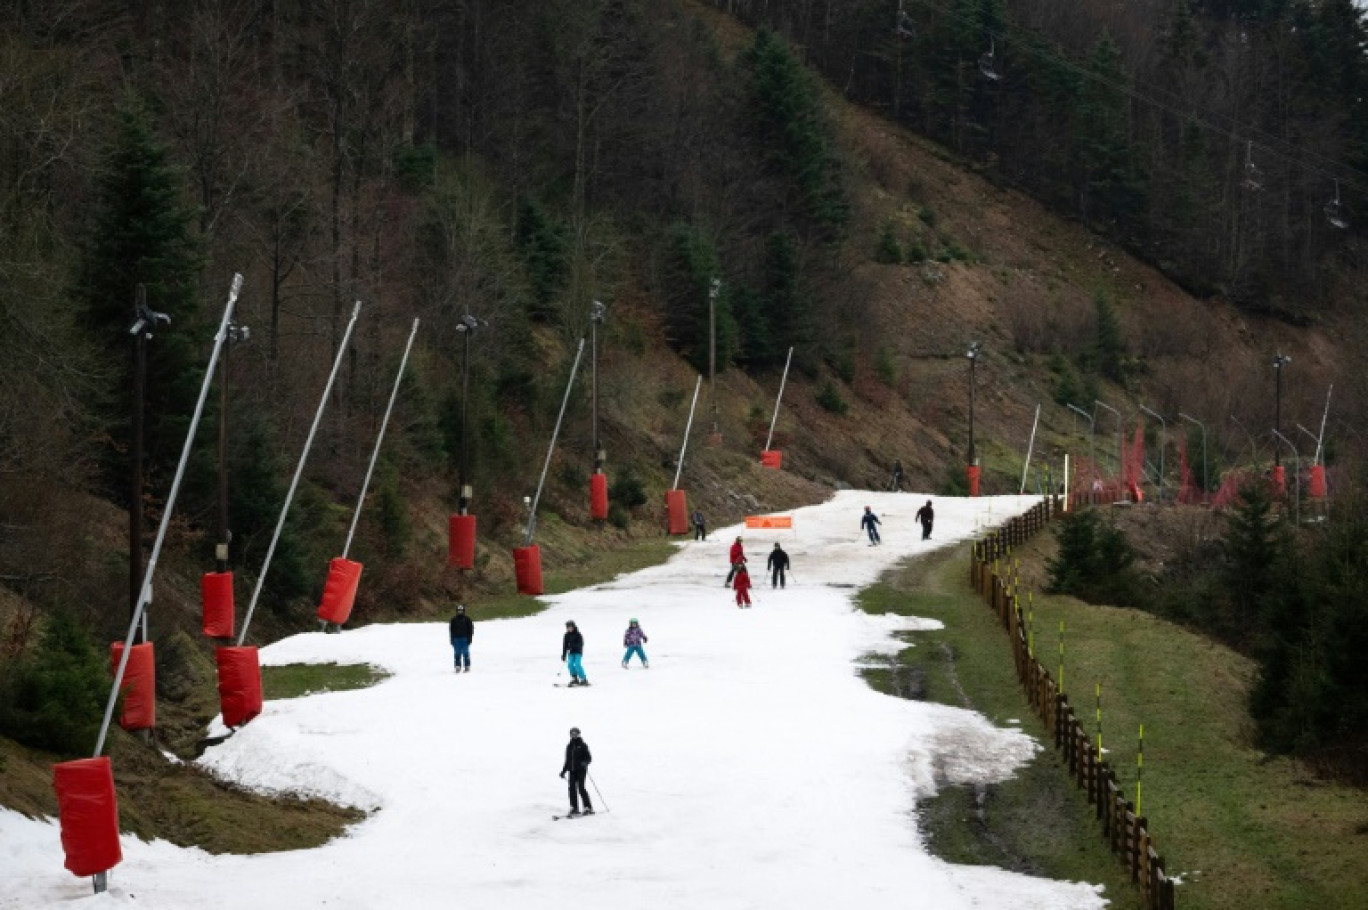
<point>515,163</point>
<point>1223,140</point>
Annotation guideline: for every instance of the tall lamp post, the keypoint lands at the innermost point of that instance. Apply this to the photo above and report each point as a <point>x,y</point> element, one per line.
<point>466,327</point>
<point>972,469</point>
<point>233,334</point>
<point>1279,361</point>
<point>1163,437</point>
<point>1120,446</point>
<point>1092,429</point>
<point>713,288</point>
<point>1206,487</point>
<point>145,319</point>
<point>596,315</point>
<point>1296,473</point>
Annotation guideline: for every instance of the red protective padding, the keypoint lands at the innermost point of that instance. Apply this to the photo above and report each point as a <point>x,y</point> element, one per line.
<point>461,541</point>
<point>216,593</point>
<point>527,568</point>
<point>239,684</point>
<point>1279,481</point>
<point>677,512</point>
<point>971,474</point>
<point>1317,486</point>
<point>339,592</point>
<point>89,813</point>
<point>772,458</point>
<point>598,496</point>
<point>139,685</point>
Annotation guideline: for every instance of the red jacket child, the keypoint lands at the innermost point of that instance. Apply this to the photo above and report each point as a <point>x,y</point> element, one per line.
<point>742,585</point>
<point>737,557</point>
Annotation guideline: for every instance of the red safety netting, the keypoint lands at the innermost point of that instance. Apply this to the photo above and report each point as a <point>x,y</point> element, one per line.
<point>139,687</point>
<point>1188,491</point>
<point>772,458</point>
<point>89,814</point>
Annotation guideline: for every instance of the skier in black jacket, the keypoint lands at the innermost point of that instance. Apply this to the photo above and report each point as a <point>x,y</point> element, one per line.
<point>572,652</point>
<point>462,634</point>
<point>927,516</point>
<point>577,759</point>
<point>778,564</point>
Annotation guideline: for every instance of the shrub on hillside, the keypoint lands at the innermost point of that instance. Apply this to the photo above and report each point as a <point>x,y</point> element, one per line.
<point>54,698</point>
<point>1094,562</point>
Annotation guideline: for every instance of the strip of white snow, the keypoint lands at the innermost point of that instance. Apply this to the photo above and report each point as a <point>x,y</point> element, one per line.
<point>749,767</point>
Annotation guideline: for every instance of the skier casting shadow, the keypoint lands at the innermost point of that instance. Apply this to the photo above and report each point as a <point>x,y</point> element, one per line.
<point>870,523</point>
<point>577,759</point>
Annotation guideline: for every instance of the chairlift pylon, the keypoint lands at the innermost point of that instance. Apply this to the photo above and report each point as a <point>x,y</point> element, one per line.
<point>986,62</point>
<point>1253,177</point>
<point>1334,212</point>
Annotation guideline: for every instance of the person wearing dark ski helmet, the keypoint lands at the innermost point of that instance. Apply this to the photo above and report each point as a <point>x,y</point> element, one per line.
<point>572,652</point>
<point>927,516</point>
<point>778,564</point>
<point>462,634</point>
<point>870,523</point>
<point>576,768</point>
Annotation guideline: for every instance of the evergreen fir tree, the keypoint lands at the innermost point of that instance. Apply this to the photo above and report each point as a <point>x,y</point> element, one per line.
<point>140,233</point>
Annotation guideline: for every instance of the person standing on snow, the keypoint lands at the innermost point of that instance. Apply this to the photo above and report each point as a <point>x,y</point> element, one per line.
<point>572,652</point>
<point>870,522</point>
<point>927,516</point>
<point>632,640</point>
<point>577,759</point>
<point>742,584</point>
<point>462,634</point>
<point>737,555</point>
<point>778,564</point>
<point>700,526</point>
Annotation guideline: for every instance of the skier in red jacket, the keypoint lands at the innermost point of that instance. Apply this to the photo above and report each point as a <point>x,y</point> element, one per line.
<point>742,584</point>
<point>737,556</point>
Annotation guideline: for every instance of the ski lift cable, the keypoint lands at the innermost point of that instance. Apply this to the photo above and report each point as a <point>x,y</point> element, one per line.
<point>1306,158</point>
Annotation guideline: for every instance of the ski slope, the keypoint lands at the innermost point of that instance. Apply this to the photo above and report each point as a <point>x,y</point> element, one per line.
<point>749,767</point>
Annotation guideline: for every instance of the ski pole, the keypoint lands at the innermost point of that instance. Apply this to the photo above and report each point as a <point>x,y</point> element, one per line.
<point>597,793</point>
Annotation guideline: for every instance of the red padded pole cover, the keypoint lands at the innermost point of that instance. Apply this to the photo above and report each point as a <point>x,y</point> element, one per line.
<point>1279,481</point>
<point>461,541</point>
<point>598,496</point>
<point>239,684</point>
<point>527,568</point>
<point>339,593</point>
<point>971,474</point>
<point>772,458</point>
<point>1317,486</point>
<point>677,510</point>
<point>139,685</point>
<point>216,593</point>
<point>89,813</point>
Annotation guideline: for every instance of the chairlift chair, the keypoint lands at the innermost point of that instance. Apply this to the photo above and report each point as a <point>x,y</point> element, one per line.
<point>1334,212</point>
<point>986,62</point>
<point>1253,177</point>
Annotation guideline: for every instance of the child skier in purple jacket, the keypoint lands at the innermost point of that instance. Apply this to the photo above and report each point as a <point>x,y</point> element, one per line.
<point>633,639</point>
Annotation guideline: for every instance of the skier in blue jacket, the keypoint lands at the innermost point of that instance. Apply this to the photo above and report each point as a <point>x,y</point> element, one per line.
<point>870,522</point>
